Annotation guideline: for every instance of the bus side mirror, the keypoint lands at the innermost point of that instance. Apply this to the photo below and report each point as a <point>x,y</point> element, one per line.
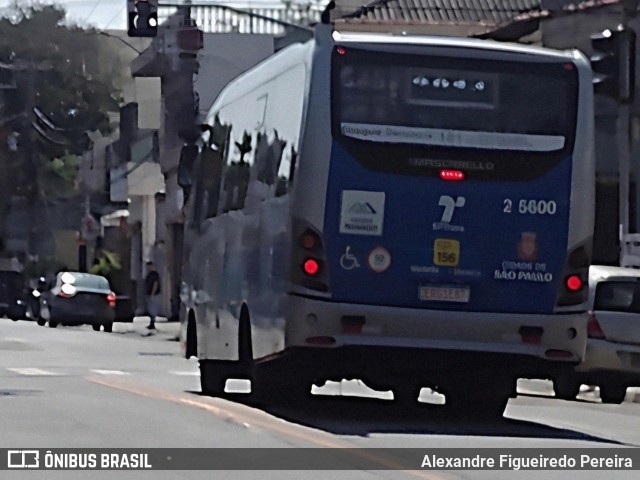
<point>188,156</point>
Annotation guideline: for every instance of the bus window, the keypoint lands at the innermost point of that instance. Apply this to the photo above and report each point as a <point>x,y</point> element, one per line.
<point>389,109</point>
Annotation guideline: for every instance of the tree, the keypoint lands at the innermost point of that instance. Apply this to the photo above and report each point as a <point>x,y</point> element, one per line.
<point>59,90</point>
<point>72,88</point>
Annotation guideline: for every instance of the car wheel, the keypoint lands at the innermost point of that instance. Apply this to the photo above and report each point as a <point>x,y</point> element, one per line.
<point>566,388</point>
<point>96,327</point>
<point>108,327</point>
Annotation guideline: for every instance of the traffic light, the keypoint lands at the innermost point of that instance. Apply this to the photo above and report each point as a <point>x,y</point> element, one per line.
<point>613,63</point>
<point>190,40</point>
<point>142,18</point>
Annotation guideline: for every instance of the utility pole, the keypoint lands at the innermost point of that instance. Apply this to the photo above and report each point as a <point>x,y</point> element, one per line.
<point>31,154</point>
<point>627,62</point>
<point>624,161</point>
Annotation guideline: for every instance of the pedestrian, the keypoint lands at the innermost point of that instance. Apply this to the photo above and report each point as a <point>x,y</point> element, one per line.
<point>152,291</point>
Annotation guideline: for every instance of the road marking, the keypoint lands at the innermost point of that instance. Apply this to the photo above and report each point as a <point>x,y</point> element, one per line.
<point>33,372</point>
<point>109,372</point>
<point>257,418</point>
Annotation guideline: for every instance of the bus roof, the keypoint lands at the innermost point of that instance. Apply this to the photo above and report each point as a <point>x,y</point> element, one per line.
<point>457,42</point>
<point>253,78</point>
<point>298,53</point>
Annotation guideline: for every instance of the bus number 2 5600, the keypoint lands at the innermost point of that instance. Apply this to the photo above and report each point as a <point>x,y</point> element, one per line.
<point>532,207</point>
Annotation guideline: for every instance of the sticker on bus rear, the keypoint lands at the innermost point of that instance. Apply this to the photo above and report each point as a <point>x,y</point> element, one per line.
<point>362,213</point>
<point>446,252</point>
<point>379,259</point>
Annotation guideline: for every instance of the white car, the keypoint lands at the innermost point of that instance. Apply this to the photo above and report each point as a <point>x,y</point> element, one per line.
<point>612,359</point>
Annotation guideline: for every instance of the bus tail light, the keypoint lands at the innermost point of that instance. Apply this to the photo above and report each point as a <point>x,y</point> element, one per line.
<point>310,240</point>
<point>572,289</point>
<point>311,267</point>
<point>574,283</point>
<point>309,258</point>
<point>593,327</point>
<point>452,175</point>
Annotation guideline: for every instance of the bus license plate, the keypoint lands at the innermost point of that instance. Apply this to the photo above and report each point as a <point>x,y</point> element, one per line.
<point>445,294</point>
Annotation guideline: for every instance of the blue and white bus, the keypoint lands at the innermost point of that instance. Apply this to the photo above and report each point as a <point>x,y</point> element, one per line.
<point>411,211</point>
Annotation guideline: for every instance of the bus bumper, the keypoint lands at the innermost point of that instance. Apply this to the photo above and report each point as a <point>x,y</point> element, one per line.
<point>325,324</point>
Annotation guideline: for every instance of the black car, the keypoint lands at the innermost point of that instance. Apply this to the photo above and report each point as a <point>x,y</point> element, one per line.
<point>77,299</point>
<point>12,295</point>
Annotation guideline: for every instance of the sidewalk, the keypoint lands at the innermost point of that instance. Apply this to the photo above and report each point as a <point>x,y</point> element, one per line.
<point>164,330</point>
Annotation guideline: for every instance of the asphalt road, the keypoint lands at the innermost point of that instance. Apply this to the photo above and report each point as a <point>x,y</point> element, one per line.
<point>72,387</point>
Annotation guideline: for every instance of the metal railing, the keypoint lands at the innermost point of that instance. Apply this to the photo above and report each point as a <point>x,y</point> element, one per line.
<point>273,19</point>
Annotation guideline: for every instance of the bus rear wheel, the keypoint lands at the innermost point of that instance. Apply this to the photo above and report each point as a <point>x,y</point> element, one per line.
<point>481,398</point>
<point>566,388</point>
<point>280,391</point>
<point>281,382</point>
<point>213,377</point>
<point>477,406</point>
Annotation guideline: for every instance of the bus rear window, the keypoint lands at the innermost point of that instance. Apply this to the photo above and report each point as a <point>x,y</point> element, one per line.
<point>454,102</point>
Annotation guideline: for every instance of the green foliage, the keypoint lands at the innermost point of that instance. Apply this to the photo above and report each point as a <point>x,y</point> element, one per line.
<point>106,263</point>
<point>66,73</point>
<point>72,87</point>
<point>59,175</point>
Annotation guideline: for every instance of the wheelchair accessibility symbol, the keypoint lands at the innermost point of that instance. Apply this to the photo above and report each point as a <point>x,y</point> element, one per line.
<point>348,261</point>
